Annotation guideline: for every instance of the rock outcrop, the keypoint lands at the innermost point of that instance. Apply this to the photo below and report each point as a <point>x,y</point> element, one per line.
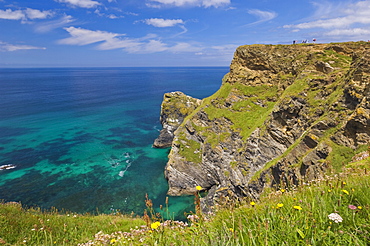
<point>284,114</point>
<point>175,107</point>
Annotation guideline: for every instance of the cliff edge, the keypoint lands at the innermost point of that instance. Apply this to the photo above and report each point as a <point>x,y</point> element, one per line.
<point>285,114</point>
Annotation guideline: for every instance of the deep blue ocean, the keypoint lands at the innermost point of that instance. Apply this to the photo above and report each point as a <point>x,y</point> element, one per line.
<point>81,138</point>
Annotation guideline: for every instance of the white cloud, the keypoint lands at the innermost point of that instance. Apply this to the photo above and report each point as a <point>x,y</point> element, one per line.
<point>81,3</point>
<point>110,41</point>
<point>37,14</point>
<point>221,52</point>
<point>228,48</point>
<point>262,15</point>
<point>349,32</point>
<point>28,13</point>
<point>184,47</point>
<point>153,46</point>
<point>351,19</point>
<point>12,15</point>
<point>14,47</point>
<point>50,25</point>
<point>157,22</point>
<point>80,36</point>
<point>200,3</point>
<point>110,16</point>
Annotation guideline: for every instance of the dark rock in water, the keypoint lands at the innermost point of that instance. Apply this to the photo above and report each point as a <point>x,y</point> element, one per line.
<point>283,115</point>
<point>175,107</point>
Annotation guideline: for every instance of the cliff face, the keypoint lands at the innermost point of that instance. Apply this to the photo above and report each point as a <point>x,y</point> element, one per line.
<point>283,115</point>
<point>175,107</point>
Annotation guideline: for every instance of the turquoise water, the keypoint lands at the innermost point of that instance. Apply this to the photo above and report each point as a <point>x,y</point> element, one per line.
<point>81,139</point>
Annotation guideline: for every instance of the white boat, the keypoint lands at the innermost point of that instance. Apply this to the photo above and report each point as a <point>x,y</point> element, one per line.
<point>8,166</point>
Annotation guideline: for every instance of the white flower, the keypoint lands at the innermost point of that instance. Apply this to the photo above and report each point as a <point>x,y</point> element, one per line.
<point>335,217</point>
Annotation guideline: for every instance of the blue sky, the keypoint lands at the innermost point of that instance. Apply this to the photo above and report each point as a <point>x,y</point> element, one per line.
<point>126,33</point>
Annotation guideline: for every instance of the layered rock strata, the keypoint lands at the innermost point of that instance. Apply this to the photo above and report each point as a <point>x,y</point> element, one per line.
<point>175,107</point>
<point>283,115</point>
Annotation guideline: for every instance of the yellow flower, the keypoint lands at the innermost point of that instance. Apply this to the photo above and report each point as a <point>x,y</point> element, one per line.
<point>279,205</point>
<point>344,183</point>
<point>359,207</point>
<point>282,190</point>
<point>329,190</point>
<point>345,191</point>
<point>113,240</point>
<point>252,203</point>
<point>198,187</point>
<point>155,225</point>
<point>231,229</point>
<point>297,207</point>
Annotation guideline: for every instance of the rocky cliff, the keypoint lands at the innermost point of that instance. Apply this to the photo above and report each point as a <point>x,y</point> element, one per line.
<point>284,114</point>
<point>175,107</point>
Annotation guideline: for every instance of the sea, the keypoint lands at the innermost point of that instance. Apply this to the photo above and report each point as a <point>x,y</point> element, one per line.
<point>80,140</point>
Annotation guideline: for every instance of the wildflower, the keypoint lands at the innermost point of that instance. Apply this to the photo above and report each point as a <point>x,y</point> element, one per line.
<point>252,203</point>
<point>297,207</point>
<point>335,217</point>
<point>353,207</point>
<point>359,207</point>
<point>282,190</point>
<point>279,205</point>
<point>155,225</point>
<point>193,217</point>
<point>231,230</point>
<point>198,187</point>
<point>329,190</point>
<point>345,191</point>
<point>113,240</point>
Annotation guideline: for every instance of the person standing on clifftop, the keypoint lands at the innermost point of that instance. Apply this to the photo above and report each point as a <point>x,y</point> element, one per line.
<point>314,40</point>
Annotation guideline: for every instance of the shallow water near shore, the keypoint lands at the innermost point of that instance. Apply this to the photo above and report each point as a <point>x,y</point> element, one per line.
<point>81,138</point>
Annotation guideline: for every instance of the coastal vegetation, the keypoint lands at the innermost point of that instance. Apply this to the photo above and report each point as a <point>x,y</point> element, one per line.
<point>330,211</point>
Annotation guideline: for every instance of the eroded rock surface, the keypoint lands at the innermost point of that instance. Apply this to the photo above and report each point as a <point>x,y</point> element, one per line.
<point>281,117</point>
<point>175,107</point>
